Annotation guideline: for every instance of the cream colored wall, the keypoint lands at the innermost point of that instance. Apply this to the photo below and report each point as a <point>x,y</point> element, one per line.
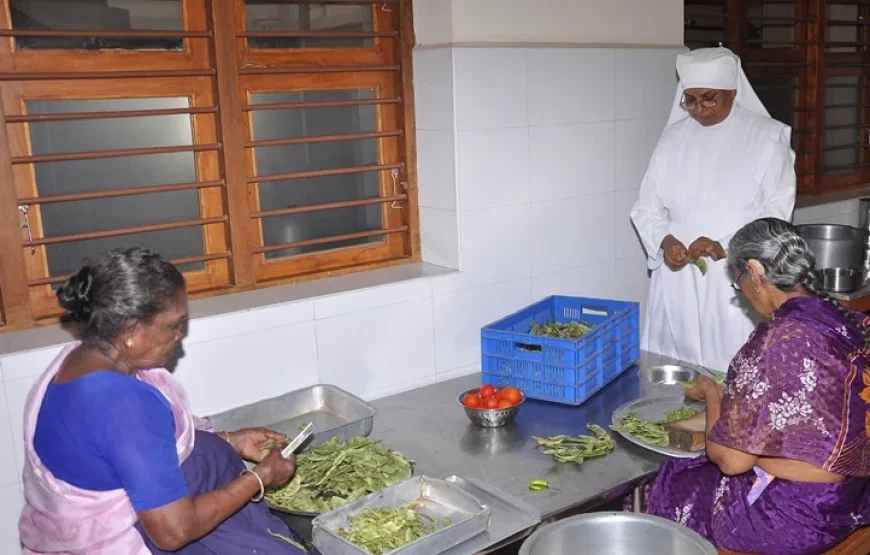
<point>640,22</point>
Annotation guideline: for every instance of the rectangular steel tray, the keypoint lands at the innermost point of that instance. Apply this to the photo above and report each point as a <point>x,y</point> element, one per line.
<point>333,411</point>
<point>439,499</point>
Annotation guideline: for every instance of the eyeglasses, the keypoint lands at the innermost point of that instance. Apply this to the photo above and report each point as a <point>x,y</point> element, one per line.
<point>736,283</point>
<point>690,103</point>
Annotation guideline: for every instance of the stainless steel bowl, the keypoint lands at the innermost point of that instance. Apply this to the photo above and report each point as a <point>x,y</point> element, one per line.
<point>616,534</point>
<point>841,280</point>
<point>669,374</point>
<point>835,246</point>
<point>490,418</point>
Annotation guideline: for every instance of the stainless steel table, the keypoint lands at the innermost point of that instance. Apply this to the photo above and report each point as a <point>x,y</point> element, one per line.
<point>428,426</point>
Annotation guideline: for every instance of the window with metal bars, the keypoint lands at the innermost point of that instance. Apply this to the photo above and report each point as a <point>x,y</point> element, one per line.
<point>252,142</point>
<point>808,62</point>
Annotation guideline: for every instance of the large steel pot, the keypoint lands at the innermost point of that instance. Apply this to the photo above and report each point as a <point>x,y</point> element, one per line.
<point>835,246</point>
<point>616,534</point>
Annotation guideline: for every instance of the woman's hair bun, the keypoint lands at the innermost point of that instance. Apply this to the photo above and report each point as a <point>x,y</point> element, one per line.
<point>76,295</point>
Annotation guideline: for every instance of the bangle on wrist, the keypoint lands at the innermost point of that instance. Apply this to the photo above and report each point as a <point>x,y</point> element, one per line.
<point>259,496</point>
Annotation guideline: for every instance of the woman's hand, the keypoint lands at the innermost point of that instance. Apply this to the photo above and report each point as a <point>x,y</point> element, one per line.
<point>704,246</point>
<point>676,254</point>
<point>704,389</point>
<point>275,470</point>
<point>252,444</point>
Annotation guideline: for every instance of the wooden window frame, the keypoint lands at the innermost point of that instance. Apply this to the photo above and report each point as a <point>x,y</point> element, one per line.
<point>807,61</point>
<point>223,145</point>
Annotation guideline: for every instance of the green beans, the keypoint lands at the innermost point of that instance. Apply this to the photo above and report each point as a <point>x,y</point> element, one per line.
<point>681,413</point>
<point>380,531</point>
<point>571,330</point>
<point>538,485</point>
<point>569,449</point>
<point>333,474</point>
<point>646,431</point>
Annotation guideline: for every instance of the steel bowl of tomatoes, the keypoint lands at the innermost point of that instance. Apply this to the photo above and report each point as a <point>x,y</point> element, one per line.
<point>491,407</point>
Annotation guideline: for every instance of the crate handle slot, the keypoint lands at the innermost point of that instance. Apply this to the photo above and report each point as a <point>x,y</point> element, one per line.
<point>529,347</point>
<point>592,311</point>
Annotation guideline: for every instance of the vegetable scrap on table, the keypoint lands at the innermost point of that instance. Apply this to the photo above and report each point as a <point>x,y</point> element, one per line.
<point>380,531</point>
<point>565,449</point>
<point>333,474</point>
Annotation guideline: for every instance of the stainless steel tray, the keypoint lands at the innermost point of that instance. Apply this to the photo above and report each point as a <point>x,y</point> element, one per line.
<point>333,411</point>
<point>439,500</point>
<point>511,517</point>
<point>654,408</point>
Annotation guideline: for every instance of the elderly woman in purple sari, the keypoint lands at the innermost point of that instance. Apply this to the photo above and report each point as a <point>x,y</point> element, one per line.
<point>788,435</point>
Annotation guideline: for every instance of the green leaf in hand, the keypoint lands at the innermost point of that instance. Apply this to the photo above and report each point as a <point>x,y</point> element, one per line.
<point>701,263</point>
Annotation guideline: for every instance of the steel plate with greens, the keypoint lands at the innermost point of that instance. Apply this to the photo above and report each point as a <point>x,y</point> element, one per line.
<point>653,433</point>
<point>333,474</point>
<point>380,531</point>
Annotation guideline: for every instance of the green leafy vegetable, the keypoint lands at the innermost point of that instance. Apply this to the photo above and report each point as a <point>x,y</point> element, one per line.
<point>538,485</point>
<point>334,474</point>
<point>718,378</point>
<point>681,413</point>
<point>646,431</point>
<point>380,531</point>
<point>701,263</point>
<point>565,449</point>
<point>571,330</point>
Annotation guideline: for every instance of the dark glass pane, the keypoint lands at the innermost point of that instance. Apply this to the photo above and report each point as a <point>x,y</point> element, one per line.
<point>842,146</point>
<point>845,28</point>
<point>279,16</point>
<point>778,96</point>
<point>97,15</point>
<point>704,23</point>
<point>313,225</point>
<point>53,178</point>
<point>771,24</point>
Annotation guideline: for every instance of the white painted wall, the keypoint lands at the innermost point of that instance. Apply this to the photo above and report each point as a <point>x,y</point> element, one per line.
<point>637,22</point>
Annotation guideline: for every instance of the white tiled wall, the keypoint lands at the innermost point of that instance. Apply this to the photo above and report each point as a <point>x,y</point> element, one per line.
<point>843,212</point>
<point>529,159</point>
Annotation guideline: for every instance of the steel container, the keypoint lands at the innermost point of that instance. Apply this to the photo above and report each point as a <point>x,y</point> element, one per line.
<point>616,534</point>
<point>835,246</point>
<point>490,418</point>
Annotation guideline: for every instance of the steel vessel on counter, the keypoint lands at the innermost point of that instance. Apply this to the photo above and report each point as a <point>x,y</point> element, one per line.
<point>490,418</point>
<point>835,246</point>
<point>864,223</point>
<point>841,280</point>
<point>669,374</point>
<point>616,534</point>
<point>438,499</point>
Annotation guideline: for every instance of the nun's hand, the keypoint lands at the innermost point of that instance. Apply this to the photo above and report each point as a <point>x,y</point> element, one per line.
<point>676,254</point>
<point>706,247</point>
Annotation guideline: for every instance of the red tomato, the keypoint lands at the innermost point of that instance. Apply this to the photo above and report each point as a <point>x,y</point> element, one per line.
<point>471,401</point>
<point>505,404</point>
<point>486,391</point>
<point>511,394</point>
<point>491,403</point>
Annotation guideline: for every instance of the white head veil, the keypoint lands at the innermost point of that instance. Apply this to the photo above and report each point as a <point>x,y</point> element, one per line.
<point>713,68</point>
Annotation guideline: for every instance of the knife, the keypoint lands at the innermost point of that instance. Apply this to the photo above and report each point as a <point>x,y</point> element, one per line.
<point>298,440</point>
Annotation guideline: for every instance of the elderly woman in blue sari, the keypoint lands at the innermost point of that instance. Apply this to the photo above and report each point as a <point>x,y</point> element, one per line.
<point>788,436</point>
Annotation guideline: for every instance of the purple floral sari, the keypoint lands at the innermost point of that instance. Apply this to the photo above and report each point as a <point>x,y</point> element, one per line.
<point>799,389</point>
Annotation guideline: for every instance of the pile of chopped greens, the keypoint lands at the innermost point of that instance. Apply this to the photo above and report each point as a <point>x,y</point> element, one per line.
<point>571,330</point>
<point>565,449</point>
<point>380,531</point>
<point>333,474</point>
<point>653,433</point>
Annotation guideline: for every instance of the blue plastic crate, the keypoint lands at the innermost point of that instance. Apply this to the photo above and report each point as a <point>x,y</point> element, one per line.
<point>562,370</point>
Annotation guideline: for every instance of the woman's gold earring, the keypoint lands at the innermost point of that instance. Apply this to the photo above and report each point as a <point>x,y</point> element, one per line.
<point>129,343</point>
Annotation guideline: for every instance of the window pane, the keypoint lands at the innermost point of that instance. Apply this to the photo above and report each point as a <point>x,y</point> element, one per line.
<point>778,96</point>
<point>842,146</point>
<point>307,122</point>
<point>100,15</point>
<point>845,28</point>
<point>280,16</point>
<point>314,225</point>
<point>705,23</point>
<point>771,24</point>
<point>53,178</point>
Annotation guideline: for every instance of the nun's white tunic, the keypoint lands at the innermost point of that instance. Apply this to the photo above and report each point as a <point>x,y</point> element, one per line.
<point>708,182</point>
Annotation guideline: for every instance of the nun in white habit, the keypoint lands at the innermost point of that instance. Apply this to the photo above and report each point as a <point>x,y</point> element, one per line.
<point>720,163</point>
